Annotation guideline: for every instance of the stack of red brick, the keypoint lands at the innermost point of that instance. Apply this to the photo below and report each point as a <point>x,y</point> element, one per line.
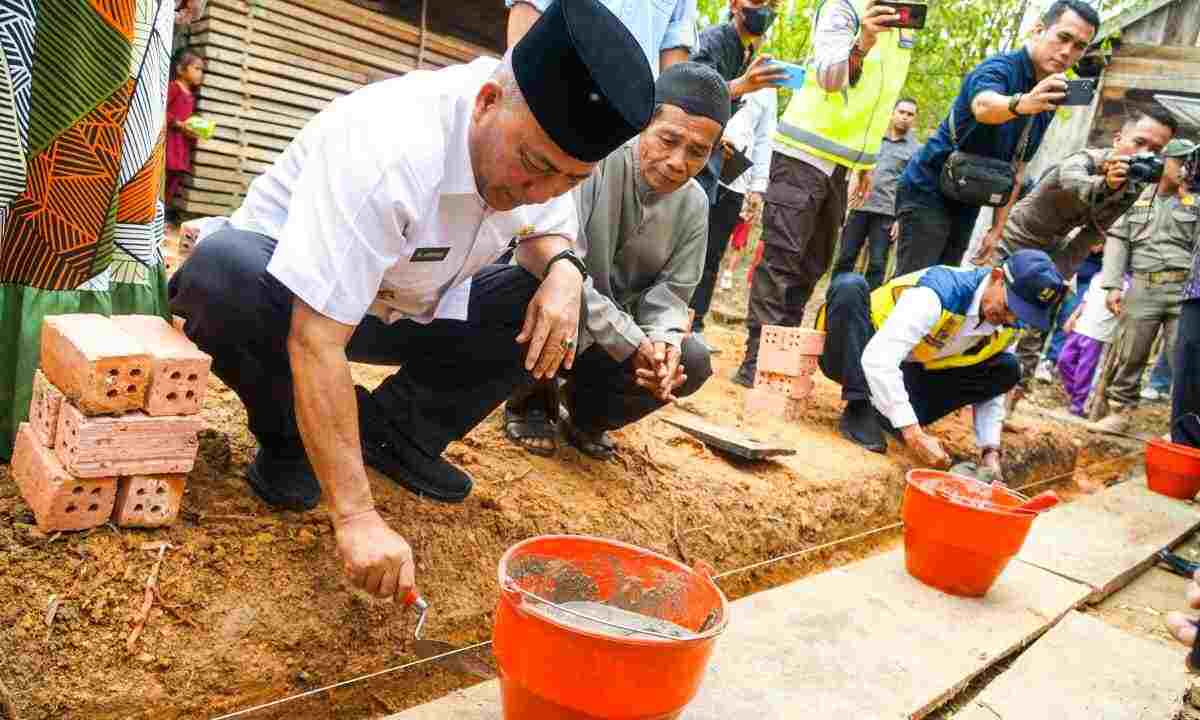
<point>113,423</point>
<point>787,359</point>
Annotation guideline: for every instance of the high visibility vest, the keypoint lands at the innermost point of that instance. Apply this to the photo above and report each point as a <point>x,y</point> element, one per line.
<point>955,288</point>
<point>847,127</point>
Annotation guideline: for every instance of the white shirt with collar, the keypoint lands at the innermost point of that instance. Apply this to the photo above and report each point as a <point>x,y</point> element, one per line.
<point>374,204</point>
<point>916,313</point>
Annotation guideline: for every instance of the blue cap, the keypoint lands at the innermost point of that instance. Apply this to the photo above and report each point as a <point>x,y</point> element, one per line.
<point>1034,287</point>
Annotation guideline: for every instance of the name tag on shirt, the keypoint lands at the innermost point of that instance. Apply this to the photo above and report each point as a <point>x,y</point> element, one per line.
<point>430,254</point>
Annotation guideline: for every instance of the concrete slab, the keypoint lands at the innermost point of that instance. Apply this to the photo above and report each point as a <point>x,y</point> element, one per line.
<point>863,641</point>
<point>1084,669</point>
<point>1107,539</point>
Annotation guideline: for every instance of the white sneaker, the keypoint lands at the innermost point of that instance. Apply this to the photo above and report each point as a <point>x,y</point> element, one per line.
<point>1149,393</point>
<point>1044,372</point>
<point>726,280</point>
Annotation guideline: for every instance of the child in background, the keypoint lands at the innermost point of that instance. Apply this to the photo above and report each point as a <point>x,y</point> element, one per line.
<point>181,140</point>
<point>1089,329</point>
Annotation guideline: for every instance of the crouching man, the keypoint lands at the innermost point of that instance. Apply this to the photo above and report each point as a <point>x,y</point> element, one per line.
<point>931,342</point>
<point>643,226</point>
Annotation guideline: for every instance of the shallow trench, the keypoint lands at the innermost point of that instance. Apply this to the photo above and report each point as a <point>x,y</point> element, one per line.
<point>253,607</point>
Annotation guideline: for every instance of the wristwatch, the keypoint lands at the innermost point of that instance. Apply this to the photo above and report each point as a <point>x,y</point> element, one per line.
<point>571,257</point>
<point>1013,102</point>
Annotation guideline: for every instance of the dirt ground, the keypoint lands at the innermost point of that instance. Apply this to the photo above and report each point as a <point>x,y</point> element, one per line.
<point>252,605</point>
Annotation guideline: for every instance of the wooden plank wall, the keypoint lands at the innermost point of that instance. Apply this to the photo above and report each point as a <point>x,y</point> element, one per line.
<point>273,64</point>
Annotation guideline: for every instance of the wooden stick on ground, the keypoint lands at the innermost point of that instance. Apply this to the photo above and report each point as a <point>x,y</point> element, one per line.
<point>147,602</point>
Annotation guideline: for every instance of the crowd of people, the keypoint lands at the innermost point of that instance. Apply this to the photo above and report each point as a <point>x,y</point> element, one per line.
<point>545,232</point>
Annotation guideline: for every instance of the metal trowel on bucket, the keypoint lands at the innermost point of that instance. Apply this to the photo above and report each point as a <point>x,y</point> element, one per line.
<point>475,662</point>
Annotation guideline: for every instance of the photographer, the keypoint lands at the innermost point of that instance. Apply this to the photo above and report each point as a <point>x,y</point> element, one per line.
<point>1154,242</point>
<point>997,121</point>
<point>833,128</point>
<point>1088,191</point>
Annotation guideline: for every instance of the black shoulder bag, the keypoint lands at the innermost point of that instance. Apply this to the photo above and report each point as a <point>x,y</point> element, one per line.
<point>978,180</point>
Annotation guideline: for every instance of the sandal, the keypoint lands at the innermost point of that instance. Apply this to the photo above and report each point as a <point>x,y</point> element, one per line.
<point>595,445</point>
<point>533,424</point>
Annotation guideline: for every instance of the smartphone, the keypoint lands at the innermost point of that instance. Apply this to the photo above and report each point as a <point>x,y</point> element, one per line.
<point>910,15</point>
<point>1079,92</point>
<point>796,74</point>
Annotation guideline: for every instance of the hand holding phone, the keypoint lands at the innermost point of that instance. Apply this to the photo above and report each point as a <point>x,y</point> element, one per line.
<point>908,15</point>
<point>1079,92</point>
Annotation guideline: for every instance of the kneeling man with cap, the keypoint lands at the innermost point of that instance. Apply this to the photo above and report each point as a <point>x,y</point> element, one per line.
<point>931,342</point>
<point>374,238</point>
<point>644,224</point>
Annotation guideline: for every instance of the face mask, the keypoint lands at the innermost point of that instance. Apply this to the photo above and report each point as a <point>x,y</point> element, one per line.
<point>757,20</point>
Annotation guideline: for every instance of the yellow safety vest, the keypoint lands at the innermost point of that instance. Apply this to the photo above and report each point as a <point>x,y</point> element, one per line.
<point>847,127</point>
<point>955,288</point>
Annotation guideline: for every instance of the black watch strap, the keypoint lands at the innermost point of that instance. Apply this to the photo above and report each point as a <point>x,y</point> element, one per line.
<point>571,257</point>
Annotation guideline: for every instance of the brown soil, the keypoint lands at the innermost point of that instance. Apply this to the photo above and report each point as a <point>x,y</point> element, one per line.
<point>254,607</point>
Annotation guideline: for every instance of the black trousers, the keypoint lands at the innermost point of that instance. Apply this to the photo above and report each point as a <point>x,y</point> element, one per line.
<point>722,219</point>
<point>601,394</point>
<point>454,372</point>
<point>1185,390</point>
<point>934,394</point>
<point>933,230</point>
<point>801,222</point>
<point>873,229</point>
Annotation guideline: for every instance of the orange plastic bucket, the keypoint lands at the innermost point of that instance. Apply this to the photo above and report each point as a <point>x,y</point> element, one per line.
<point>552,667</point>
<point>960,533</point>
<point>1172,469</point>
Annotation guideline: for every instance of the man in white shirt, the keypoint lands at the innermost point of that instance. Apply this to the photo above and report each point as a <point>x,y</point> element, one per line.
<point>931,342</point>
<point>373,238</point>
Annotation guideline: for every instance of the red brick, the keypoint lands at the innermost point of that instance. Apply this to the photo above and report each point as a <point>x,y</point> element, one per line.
<point>100,368</point>
<point>788,350</point>
<point>43,409</point>
<point>760,401</point>
<point>148,500</point>
<point>796,388</point>
<point>132,444</point>
<point>179,369</point>
<point>59,501</point>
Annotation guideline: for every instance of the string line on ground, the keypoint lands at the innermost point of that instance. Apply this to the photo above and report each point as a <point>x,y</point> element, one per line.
<point>720,576</point>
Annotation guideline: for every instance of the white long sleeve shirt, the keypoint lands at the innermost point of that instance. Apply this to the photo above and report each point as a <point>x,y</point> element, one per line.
<point>915,315</point>
<point>750,130</point>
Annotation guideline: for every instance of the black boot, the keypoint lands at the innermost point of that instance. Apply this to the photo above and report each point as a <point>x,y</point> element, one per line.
<point>284,480</point>
<point>396,456</point>
<point>749,367</point>
<point>859,426</point>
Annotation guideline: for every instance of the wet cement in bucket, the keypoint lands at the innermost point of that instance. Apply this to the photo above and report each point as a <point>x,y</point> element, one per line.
<point>601,619</point>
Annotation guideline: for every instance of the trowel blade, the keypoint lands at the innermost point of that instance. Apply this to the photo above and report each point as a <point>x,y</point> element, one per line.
<point>476,662</point>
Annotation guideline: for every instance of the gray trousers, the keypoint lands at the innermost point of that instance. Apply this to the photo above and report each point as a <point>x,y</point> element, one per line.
<point>1148,308</point>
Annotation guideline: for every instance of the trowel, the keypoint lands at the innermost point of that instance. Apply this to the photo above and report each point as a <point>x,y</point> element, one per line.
<point>467,663</point>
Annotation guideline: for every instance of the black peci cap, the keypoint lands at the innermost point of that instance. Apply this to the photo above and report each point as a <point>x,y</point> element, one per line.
<point>585,78</point>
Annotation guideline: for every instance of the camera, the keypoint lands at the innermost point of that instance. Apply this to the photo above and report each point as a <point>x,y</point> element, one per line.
<point>1146,167</point>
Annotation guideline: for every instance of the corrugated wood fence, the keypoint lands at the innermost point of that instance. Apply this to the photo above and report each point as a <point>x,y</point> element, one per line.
<point>273,64</point>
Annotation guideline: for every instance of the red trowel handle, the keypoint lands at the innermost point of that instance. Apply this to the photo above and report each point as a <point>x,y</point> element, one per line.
<point>412,599</point>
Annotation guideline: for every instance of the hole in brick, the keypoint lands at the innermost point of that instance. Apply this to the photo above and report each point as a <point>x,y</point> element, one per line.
<point>176,375</point>
<point>71,508</point>
<point>193,377</point>
<point>137,508</point>
<point>78,490</point>
<point>141,491</point>
<point>131,389</point>
<point>95,491</point>
<point>172,396</point>
<point>93,507</point>
<point>190,395</point>
<point>160,491</point>
<point>113,372</point>
<point>135,372</point>
<point>156,509</point>
<point>113,393</point>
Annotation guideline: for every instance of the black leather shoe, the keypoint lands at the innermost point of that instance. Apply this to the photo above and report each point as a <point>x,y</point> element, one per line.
<point>288,483</point>
<point>744,376</point>
<point>859,426</point>
<point>394,455</point>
